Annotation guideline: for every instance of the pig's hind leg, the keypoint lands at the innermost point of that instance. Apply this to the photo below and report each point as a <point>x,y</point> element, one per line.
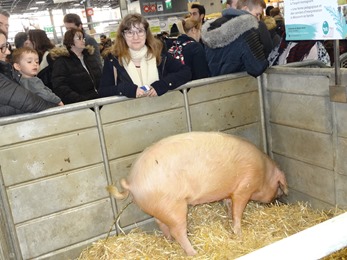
<point>176,222</point>
<point>227,203</point>
<point>164,228</point>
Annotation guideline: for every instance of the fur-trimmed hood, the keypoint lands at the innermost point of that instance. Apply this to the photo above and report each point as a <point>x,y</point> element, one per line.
<point>270,22</point>
<point>222,31</point>
<point>60,51</point>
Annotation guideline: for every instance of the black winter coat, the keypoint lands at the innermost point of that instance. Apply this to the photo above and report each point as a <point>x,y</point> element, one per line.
<point>233,43</point>
<point>194,56</point>
<point>70,80</point>
<point>15,99</point>
<point>172,74</point>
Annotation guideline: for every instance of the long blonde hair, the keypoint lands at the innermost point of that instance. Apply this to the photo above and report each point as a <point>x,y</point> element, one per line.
<point>120,49</point>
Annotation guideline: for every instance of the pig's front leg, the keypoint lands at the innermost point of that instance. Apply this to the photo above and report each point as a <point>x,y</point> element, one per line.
<point>239,203</point>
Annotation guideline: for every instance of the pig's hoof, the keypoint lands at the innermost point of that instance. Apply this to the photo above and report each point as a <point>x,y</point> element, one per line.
<point>169,238</point>
<point>237,231</point>
<point>191,252</point>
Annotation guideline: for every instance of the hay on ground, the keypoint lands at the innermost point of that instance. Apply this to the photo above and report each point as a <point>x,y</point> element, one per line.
<point>211,235</point>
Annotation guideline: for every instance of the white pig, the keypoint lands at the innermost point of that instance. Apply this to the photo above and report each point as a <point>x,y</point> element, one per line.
<point>199,167</point>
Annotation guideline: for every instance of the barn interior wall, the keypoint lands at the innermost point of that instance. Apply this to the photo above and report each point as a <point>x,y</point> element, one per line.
<point>307,134</point>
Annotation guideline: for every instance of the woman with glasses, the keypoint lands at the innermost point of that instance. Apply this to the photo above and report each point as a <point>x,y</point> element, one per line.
<point>15,99</point>
<point>135,65</point>
<point>75,74</point>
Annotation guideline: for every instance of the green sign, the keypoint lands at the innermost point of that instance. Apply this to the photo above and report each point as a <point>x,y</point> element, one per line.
<point>168,4</point>
<point>48,29</point>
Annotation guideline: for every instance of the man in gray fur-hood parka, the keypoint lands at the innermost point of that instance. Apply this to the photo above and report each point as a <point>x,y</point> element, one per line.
<point>232,44</point>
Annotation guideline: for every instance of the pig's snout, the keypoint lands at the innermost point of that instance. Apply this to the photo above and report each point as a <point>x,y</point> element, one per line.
<point>282,185</point>
<point>282,190</point>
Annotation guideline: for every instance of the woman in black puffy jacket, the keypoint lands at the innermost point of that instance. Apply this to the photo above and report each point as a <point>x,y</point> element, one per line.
<point>15,99</point>
<point>75,75</point>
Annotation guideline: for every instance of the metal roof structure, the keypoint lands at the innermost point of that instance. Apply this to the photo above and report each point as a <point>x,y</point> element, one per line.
<point>32,6</point>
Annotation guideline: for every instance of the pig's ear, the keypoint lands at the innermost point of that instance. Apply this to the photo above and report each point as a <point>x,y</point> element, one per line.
<point>282,184</point>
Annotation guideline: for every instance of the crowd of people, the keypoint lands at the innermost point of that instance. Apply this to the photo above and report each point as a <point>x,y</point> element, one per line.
<point>39,75</point>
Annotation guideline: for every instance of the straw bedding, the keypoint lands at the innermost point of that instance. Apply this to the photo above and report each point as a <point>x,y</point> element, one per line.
<point>210,233</point>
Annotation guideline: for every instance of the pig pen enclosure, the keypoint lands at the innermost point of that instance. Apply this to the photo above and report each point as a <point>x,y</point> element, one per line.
<point>55,165</point>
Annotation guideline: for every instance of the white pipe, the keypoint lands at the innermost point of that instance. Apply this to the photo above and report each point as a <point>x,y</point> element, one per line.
<point>312,243</point>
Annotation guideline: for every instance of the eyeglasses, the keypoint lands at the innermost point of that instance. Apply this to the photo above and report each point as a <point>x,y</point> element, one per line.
<point>79,38</point>
<point>4,47</point>
<point>131,34</point>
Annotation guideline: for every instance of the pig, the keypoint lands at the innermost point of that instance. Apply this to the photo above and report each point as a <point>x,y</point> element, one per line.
<point>195,168</point>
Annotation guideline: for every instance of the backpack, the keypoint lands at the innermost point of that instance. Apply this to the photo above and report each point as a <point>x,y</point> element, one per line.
<point>176,50</point>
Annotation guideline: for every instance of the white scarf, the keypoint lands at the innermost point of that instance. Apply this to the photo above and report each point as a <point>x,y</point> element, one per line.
<point>44,62</point>
<point>149,71</point>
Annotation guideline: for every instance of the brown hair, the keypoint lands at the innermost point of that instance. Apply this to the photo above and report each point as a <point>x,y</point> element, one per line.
<point>201,8</point>
<point>5,13</point>
<point>189,23</point>
<point>120,49</point>
<point>17,54</point>
<point>250,4</point>
<point>69,37</point>
<point>73,18</point>
<point>40,41</point>
<point>275,11</point>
